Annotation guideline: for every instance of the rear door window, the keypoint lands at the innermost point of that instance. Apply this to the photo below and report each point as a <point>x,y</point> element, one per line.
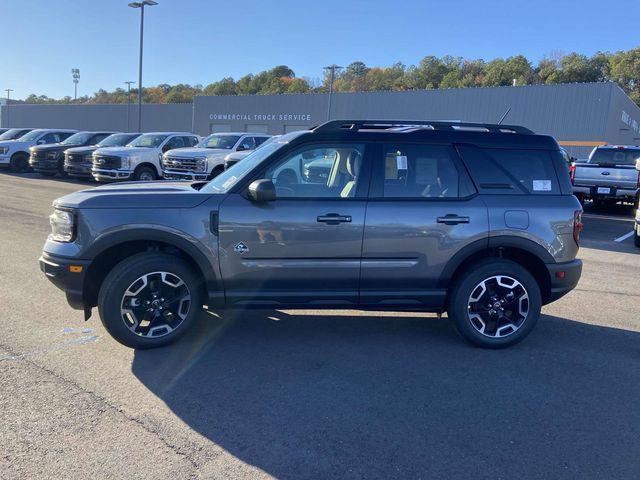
<point>511,171</point>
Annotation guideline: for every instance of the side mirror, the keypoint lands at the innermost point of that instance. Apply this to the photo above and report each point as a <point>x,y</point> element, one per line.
<point>166,148</point>
<point>41,142</point>
<point>241,148</point>
<point>262,191</point>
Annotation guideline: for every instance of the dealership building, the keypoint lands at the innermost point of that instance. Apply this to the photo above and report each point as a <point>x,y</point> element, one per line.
<point>579,116</point>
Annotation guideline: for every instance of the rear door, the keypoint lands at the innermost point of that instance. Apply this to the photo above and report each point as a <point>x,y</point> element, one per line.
<point>422,211</point>
<point>303,249</point>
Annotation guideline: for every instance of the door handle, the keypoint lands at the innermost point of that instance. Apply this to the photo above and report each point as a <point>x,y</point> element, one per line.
<point>452,219</point>
<point>334,219</point>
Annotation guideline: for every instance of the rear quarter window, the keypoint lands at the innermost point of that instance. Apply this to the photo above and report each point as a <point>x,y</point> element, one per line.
<point>511,171</point>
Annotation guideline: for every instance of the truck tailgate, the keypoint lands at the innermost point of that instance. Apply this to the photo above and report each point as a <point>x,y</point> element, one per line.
<point>620,176</point>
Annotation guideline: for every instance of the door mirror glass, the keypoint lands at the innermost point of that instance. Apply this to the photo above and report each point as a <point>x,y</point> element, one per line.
<point>262,191</point>
<point>241,148</point>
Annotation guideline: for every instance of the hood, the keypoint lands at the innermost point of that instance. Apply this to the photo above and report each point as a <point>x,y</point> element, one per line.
<point>50,147</point>
<point>128,151</point>
<point>81,150</point>
<point>196,152</point>
<point>161,194</point>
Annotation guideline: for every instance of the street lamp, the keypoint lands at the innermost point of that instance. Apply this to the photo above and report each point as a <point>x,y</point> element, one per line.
<point>75,73</point>
<point>128,103</point>
<point>8,90</point>
<point>332,76</point>
<point>141,5</point>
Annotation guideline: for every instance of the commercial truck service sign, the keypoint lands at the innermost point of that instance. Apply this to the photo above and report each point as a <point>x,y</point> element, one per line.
<point>273,117</point>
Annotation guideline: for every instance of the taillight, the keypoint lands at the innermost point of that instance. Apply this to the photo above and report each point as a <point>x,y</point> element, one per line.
<point>572,173</point>
<point>577,225</point>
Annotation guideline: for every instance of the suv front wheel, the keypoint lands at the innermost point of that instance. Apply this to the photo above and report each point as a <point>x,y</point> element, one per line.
<point>495,303</point>
<point>150,300</point>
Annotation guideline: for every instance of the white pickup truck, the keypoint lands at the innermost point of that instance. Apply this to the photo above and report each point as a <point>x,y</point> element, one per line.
<point>15,153</point>
<point>206,160</point>
<point>140,159</point>
<point>609,175</point>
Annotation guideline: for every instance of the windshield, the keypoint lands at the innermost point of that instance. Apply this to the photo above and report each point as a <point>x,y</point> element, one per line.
<point>219,141</point>
<point>149,140</point>
<point>13,133</point>
<point>32,135</point>
<point>116,140</point>
<point>614,156</point>
<point>77,138</point>
<point>227,179</point>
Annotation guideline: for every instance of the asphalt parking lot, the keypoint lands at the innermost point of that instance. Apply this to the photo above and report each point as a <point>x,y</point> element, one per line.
<point>317,394</point>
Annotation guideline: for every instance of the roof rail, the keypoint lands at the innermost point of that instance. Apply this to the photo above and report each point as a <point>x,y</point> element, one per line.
<point>413,125</point>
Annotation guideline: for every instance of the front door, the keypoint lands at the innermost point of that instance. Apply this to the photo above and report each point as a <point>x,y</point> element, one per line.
<point>422,211</point>
<point>303,249</point>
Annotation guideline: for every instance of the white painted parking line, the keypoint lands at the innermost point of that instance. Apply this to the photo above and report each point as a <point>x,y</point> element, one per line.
<point>606,217</point>
<point>624,237</point>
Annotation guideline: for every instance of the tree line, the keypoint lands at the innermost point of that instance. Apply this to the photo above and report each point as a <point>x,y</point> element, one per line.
<point>431,72</point>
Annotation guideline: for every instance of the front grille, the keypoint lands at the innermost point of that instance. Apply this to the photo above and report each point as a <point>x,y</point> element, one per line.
<point>107,161</point>
<point>39,154</point>
<point>180,164</point>
<point>76,158</point>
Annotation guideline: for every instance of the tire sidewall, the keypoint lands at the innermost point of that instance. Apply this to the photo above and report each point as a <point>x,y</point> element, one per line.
<point>140,170</point>
<point>463,287</point>
<point>19,163</point>
<point>123,275</point>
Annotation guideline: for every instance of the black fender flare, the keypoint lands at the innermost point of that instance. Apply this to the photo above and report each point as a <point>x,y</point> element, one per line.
<point>484,244</point>
<point>175,238</point>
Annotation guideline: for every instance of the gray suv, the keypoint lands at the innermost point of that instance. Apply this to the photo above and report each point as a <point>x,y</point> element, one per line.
<point>475,220</point>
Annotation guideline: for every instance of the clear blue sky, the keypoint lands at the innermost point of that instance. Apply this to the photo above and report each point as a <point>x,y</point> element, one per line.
<point>200,41</point>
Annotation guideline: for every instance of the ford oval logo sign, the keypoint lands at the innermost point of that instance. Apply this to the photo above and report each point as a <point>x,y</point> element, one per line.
<point>606,173</point>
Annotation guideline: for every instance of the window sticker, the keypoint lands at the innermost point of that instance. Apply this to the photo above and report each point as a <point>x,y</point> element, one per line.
<point>401,161</point>
<point>542,185</point>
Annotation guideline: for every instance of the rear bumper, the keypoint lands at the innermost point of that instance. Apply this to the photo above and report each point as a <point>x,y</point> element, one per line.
<point>57,270</point>
<point>564,278</point>
<point>614,192</point>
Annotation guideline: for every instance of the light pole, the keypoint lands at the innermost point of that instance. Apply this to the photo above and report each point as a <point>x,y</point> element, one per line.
<point>128,103</point>
<point>141,6</point>
<point>8,90</point>
<point>75,73</point>
<point>332,76</point>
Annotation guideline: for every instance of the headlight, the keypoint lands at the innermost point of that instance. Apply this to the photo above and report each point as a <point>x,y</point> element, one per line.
<point>125,163</point>
<point>4,150</point>
<point>63,225</point>
<point>201,164</point>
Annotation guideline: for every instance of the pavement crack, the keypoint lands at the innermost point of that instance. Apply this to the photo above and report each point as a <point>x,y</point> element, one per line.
<point>111,406</point>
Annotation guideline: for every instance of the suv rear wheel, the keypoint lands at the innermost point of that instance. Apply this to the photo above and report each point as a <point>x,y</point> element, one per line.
<point>495,303</point>
<point>150,300</point>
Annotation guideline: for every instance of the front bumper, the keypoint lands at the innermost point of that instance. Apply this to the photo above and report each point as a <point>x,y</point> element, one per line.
<point>180,175</point>
<point>58,271</point>
<point>44,164</point>
<point>564,278</point>
<point>78,169</point>
<point>109,175</point>
<point>614,192</point>
<point>5,160</point>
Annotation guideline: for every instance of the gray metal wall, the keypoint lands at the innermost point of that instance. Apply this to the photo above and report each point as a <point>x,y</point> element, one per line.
<point>155,117</point>
<point>578,114</point>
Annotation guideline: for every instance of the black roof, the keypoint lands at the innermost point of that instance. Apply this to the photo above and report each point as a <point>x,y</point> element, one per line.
<point>480,134</point>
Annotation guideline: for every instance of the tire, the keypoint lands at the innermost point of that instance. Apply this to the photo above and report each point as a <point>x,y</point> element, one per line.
<point>124,287</point>
<point>497,333</point>
<point>145,174</point>
<point>216,171</point>
<point>19,163</point>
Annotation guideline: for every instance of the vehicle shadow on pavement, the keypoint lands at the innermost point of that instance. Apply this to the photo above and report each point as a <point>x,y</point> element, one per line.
<point>302,396</point>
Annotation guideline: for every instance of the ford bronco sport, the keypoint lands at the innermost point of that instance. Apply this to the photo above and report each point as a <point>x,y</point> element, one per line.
<point>476,220</point>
